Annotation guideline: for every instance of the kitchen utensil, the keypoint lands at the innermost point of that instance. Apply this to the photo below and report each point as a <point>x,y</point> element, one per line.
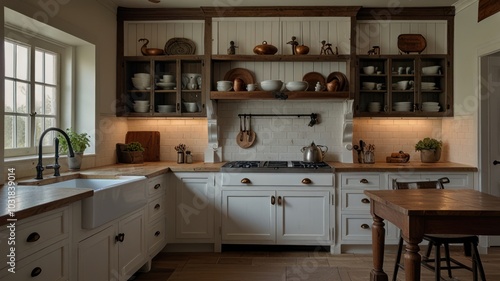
<point>314,153</point>
<point>240,137</point>
<point>312,78</point>
<point>250,134</point>
<point>265,49</point>
<point>340,77</point>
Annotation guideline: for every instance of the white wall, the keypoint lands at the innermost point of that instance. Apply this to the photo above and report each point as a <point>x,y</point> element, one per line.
<point>471,37</point>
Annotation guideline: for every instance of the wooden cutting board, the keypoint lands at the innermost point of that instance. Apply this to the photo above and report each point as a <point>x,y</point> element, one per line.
<point>150,140</point>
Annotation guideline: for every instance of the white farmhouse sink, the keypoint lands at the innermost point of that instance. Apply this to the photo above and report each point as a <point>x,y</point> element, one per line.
<point>112,197</point>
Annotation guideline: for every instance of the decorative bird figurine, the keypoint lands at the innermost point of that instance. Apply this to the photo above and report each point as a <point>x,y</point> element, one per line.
<point>150,51</point>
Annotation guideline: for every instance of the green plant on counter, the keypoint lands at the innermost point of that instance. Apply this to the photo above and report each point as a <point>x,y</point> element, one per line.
<point>134,146</point>
<point>427,144</point>
<point>79,142</point>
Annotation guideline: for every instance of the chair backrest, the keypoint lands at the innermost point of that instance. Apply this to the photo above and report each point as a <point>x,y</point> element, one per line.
<point>437,184</point>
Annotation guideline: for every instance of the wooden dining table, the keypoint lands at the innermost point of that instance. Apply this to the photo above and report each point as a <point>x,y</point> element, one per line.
<point>429,211</point>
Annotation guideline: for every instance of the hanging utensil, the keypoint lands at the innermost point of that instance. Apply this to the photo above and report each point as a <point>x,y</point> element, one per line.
<point>250,134</point>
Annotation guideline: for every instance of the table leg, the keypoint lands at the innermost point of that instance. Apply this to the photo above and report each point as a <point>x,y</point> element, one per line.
<point>378,243</point>
<point>412,260</point>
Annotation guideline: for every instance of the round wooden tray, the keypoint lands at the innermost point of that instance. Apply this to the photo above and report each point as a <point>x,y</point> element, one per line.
<point>340,77</point>
<point>180,46</point>
<point>312,78</point>
<point>244,74</point>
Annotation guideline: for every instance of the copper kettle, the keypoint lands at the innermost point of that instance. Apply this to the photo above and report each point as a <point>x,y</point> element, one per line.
<point>314,153</point>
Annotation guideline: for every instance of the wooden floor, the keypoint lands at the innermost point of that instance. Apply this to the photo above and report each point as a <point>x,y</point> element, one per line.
<point>290,266</point>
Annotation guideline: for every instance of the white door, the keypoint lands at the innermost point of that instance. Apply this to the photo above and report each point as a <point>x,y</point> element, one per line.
<point>194,208</point>
<point>97,259</point>
<point>490,128</point>
<point>248,216</point>
<point>132,250</point>
<point>303,216</point>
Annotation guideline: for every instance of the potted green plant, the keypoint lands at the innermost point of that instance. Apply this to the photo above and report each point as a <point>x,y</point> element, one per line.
<point>130,153</point>
<point>79,142</point>
<point>430,150</point>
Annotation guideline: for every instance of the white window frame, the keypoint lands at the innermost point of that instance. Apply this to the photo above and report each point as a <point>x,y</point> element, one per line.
<point>48,45</point>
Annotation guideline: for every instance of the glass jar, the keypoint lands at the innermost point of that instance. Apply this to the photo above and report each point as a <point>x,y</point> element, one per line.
<point>369,157</point>
<point>189,157</point>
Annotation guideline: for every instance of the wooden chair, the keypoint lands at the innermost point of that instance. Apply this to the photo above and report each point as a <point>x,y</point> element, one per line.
<point>437,240</point>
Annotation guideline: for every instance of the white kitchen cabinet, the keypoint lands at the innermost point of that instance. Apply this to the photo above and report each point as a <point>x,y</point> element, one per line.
<point>190,208</point>
<point>116,252</point>
<point>41,249</point>
<point>355,219</point>
<point>276,217</point>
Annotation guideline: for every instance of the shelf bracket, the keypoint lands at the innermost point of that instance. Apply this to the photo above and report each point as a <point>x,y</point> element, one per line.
<point>280,96</point>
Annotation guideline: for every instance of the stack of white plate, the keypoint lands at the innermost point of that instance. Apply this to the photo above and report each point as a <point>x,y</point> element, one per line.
<point>402,106</point>
<point>374,107</point>
<point>141,106</point>
<point>430,106</point>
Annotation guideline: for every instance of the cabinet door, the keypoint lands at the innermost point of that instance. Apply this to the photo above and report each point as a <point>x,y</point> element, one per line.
<point>303,216</point>
<point>194,215</point>
<point>248,216</point>
<point>132,250</point>
<point>97,259</point>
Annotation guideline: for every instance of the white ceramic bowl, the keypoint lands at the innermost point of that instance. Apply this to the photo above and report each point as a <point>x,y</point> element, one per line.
<point>190,106</point>
<point>295,86</point>
<point>429,70</point>
<point>163,108</point>
<point>142,76</point>
<point>430,103</point>
<point>166,85</point>
<point>141,102</point>
<point>224,86</point>
<point>369,69</point>
<point>140,108</point>
<point>140,83</point>
<point>271,85</point>
<point>368,85</point>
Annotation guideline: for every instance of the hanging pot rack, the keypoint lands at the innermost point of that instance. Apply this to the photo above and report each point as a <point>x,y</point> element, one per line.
<point>313,116</point>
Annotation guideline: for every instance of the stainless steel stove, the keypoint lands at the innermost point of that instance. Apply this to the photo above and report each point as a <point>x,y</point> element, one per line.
<point>276,166</point>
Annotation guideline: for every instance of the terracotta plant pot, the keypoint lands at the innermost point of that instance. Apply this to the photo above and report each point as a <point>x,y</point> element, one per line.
<point>430,155</point>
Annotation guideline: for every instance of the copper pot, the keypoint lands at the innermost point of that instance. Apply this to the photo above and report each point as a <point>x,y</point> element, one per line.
<point>301,50</point>
<point>265,49</point>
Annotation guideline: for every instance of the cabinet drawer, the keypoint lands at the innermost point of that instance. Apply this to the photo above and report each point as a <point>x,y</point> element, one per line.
<point>50,264</point>
<point>360,180</point>
<point>358,228</point>
<point>277,179</point>
<point>40,231</point>
<point>355,200</point>
<point>156,186</point>
<point>156,236</point>
<point>156,208</point>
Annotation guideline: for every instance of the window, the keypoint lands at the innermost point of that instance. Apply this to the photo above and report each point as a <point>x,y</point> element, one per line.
<point>31,95</point>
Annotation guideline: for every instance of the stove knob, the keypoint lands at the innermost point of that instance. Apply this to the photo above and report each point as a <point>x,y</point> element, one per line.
<point>306,181</point>
<point>245,180</point>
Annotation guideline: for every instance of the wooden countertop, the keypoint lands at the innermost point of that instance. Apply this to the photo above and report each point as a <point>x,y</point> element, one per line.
<point>402,167</point>
<point>31,200</point>
<point>34,200</point>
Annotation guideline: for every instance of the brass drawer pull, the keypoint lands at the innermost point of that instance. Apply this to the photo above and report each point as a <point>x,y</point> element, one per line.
<point>157,186</point>
<point>363,181</point>
<point>245,180</point>
<point>365,226</point>
<point>365,200</point>
<point>306,181</point>
<point>33,237</point>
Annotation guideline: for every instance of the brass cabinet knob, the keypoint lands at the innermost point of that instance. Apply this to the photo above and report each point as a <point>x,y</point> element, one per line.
<point>273,200</point>
<point>306,181</point>
<point>363,181</point>
<point>245,180</point>
<point>365,200</point>
<point>365,226</point>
